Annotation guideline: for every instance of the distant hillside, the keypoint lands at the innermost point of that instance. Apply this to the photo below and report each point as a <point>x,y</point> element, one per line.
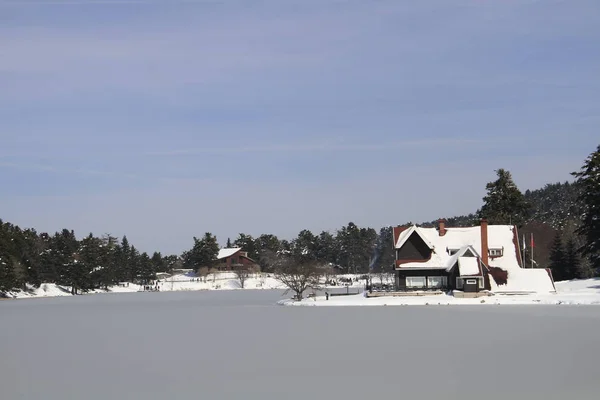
<point>555,204</point>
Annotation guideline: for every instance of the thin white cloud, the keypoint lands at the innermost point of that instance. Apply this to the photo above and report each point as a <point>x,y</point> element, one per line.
<point>62,170</point>
<point>337,147</point>
<point>25,3</point>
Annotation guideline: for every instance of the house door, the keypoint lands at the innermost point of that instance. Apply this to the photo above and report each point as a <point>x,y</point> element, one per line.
<point>470,284</point>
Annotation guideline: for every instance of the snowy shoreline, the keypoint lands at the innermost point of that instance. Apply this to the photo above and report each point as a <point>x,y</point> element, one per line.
<point>223,281</point>
<point>576,292</point>
<point>177,283</point>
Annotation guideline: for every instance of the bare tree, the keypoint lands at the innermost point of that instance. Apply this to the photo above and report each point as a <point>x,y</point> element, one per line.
<point>214,272</point>
<point>381,275</point>
<point>328,273</point>
<point>298,275</point>
<point>261,276</point>
<point>242,274</point>
<point>203,273</point>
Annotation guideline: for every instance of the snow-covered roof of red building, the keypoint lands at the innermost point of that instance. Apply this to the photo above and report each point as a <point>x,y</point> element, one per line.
<point>228,252</point>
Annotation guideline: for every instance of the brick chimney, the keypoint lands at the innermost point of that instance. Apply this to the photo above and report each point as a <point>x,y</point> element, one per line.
<point>484,241</point>
<point>442,223</point>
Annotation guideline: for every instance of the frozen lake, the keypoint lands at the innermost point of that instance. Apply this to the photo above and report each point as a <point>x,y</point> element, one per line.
<point>239,345</point>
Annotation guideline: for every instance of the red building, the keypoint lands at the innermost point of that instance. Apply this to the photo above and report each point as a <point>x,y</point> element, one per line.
<point>234,258</point>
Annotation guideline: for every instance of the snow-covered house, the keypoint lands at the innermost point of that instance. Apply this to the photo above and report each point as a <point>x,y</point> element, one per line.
<point>469,259</point>
<point>233,258</point>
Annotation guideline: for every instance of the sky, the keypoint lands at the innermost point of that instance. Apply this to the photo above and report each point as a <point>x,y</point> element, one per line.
<point>165,119</point>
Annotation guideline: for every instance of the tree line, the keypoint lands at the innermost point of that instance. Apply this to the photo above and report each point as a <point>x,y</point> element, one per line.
<point>29,257</point>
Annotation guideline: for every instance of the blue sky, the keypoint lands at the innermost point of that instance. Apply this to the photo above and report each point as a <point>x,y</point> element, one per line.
<point>164,119</point>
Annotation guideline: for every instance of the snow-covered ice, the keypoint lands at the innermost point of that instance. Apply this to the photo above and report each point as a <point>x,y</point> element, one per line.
<point>238,344</point>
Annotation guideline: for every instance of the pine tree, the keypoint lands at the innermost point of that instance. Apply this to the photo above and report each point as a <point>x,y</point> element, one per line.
<point>267,242</point>
<point>558,259</point>
<point>588,177</point>
<point>158,262</point>
<point>109,253</point>
<point>286,245</point>
<point>326,250</point>
<point>125,263</point>
<point>267,246</point>
<point>504,204</point>
<point>134,264</point>
<point>228,245</point>
<point>203,254</point>
<point>31,250</point>
<point>171,262</point>
<point>147,272</point>
<point>248,244</point>
<point>7,272</point>
<point>7,275</point>
<point>90,266</point>
<point>572,261</point>
<point>384,258</point>
<point>356,247</point>
<point>64,247</point>
<point>304,247</point>
<point>20,274</point>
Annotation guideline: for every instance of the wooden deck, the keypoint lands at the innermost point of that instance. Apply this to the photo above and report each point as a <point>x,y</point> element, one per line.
<point>470,295</point>
<point>405,294</point>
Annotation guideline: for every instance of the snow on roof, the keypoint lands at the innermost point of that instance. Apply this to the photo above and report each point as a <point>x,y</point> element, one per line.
<point>423,265</point>
<point>468,266</point>
<point>459,253</point>
<point>228,252</point>
<point>463,238</point>
<point>525,280</point>
<point>404,235</point>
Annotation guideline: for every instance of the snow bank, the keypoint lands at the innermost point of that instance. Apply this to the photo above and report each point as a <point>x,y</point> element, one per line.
<point>45,290</point>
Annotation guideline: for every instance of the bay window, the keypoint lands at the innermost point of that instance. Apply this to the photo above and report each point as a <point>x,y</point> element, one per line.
<point>435,282</point>
<point>415,281</point>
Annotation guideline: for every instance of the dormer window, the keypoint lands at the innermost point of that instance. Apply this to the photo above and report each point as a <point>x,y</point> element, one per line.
<point>452,252</point>
<point>495,252</point>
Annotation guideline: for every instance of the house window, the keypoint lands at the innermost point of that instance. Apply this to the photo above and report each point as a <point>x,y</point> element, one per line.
<point>459,283</point>
<point>415,281</point>
<point>434,282</point>
<point>495,252</point>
